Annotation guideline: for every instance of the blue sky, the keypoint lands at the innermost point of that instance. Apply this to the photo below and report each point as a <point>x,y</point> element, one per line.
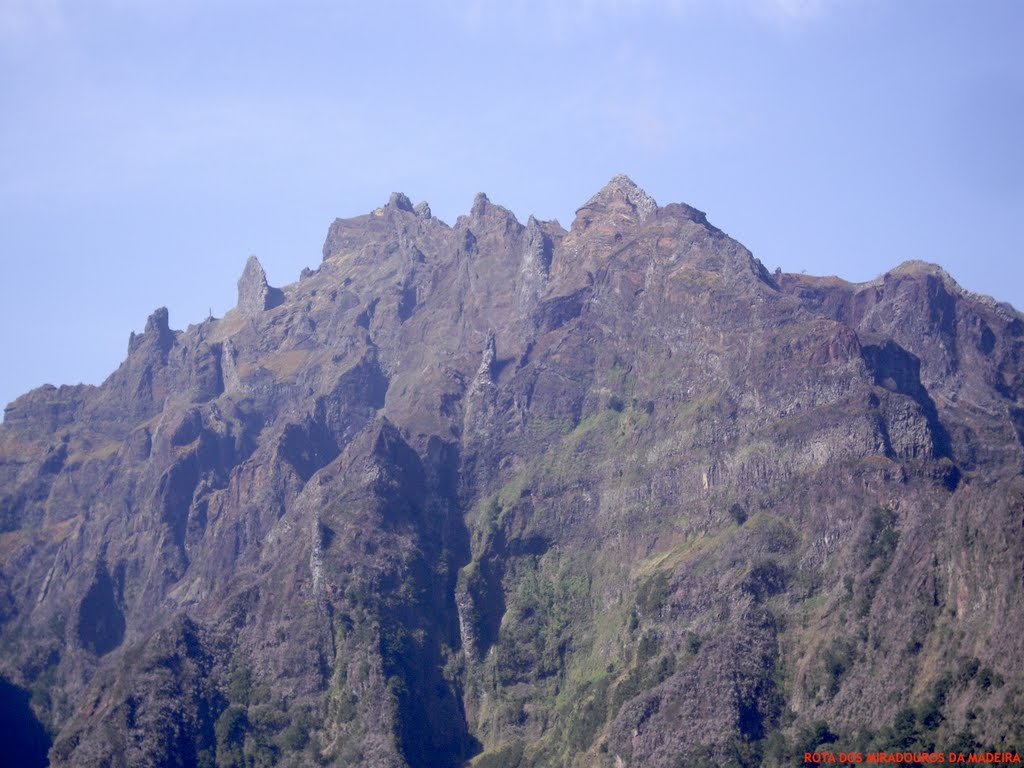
<point>147,147</point>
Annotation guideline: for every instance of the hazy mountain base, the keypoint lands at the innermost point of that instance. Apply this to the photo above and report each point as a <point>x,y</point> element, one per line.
<point>522,496</point>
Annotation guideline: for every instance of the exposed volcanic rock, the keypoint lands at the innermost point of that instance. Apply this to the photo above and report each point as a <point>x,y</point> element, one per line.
<point>255,295</point>
<point>610,496</point>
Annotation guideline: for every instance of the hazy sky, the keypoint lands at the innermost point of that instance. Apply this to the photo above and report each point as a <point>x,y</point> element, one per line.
<point>147,147</point>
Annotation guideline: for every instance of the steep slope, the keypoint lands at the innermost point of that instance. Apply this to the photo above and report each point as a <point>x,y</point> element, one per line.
<point>525,496</point>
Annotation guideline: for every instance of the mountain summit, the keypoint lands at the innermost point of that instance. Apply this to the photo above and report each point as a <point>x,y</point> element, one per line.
<point>504,494</point>
<point>621,193</point>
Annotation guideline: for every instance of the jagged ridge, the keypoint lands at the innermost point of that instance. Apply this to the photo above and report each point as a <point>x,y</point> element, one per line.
<point>608,496</point>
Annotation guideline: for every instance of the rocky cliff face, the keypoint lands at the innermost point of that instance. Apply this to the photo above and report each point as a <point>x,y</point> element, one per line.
<point>523,496</point>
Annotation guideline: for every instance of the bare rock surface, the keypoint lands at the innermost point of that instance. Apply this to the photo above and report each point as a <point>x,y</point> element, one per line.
<point>513,495</point>
<point>255,295</point>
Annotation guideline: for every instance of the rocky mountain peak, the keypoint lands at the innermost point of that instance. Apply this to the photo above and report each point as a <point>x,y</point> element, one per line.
<point>620,182</point>
<point>919,267</point>
<point>461,468</point>
<point>158,323</point>
<point>618,201</point>
<point>255,295</point>
<point>480,204</point>
<point>487,216</point>
<point>622,189</point>
<point>157,334</point>
<point>400,201</point>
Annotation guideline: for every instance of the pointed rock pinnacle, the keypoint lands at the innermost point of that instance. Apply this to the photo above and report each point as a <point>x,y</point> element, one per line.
<point>255,295</point>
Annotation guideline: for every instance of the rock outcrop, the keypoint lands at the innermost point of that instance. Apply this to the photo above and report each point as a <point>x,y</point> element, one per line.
<point>255,295</point>
<point>611,496</point>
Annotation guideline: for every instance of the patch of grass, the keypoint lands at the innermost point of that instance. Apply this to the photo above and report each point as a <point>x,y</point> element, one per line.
<point>880,542</point>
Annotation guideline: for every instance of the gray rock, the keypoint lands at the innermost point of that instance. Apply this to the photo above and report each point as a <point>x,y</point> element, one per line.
<point>400,201</point>
<point>255,295</point>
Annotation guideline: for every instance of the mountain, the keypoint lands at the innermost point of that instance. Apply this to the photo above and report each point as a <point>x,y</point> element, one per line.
<point>512,495</point>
